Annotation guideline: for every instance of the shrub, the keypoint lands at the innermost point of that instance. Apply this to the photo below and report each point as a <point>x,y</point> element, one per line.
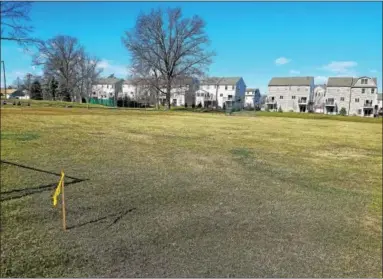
<point>186,105</point>
<point>199,105</point>
<point>291,110</point>
<point>193,106</point>
<point>343,111</point>
<point>280,109</point>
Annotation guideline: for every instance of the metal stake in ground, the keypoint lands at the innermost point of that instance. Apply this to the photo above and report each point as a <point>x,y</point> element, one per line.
<point>63,201</point>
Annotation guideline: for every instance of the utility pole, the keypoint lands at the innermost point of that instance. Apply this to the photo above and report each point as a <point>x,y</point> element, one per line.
<point>5,81</point>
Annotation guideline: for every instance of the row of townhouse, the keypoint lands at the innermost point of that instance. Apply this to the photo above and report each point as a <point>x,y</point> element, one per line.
<point>214,91</point>
<point>358,96</point>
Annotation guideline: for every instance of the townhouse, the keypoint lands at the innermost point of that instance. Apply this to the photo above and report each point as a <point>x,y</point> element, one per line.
<point>358,96</point>
<point>290,94</point>
<point>106,90</point>
<point>379,102</point>
<point>220,90</point>
<point>318,98</point>
<point>183,92</point>
<point>252,98</point>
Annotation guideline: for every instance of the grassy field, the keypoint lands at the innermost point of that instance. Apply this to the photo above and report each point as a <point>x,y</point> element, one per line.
<point>181,194</point>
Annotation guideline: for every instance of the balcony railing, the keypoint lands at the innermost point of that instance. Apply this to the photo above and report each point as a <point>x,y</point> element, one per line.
<point>330,102</point>
<point>368,104</point>
<point>302,101</point>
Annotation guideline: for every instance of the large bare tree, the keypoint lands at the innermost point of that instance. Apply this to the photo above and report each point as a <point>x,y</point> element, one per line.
<point>89,72</point>
<point>14,18</point>
<point>61,57</point>
<point>164,45</point>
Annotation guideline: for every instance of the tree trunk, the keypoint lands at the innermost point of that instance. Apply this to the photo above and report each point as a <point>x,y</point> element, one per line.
<point>168,88</point>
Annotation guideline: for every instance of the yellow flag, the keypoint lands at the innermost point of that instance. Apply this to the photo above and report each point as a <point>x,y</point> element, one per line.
<point>58,189</point>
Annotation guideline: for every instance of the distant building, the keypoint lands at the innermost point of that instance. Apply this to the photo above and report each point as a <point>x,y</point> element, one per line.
<point>225,89</point>
<point>252,98</point>
<point>319,97</point>
<point>19,94</point>
<point>183,92</point>
<point>5,93</point>
<point>358,96</point>
<point>106,90</point>
<point>290,94</point>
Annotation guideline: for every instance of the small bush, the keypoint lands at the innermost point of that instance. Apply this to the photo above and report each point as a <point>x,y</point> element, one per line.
<point>186,105</point>
<point>343,111</point>
<point>280,109</point>
<point>199,105</point>
<point>193,106</point>
<point>291,110</point>
<point>19,103</point>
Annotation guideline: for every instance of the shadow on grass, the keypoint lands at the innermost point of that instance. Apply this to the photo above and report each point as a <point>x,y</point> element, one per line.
<point>8,195</point>
<point>118,216</point>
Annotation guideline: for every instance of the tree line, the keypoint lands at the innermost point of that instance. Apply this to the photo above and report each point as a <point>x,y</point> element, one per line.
<point>164,47</point>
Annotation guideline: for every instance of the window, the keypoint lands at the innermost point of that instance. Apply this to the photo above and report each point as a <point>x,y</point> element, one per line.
<point>221,95</point>
<point>342,98</point>
<point>225,87</point>
<point>229,97</point>
<point>363,90</point>
<point>359,111</point>
<point>372,91</point>
<point>364,81</point>
<point>357,100</point>
<point>198,94</point>
<point>280,97</point>
<point>293,97</point>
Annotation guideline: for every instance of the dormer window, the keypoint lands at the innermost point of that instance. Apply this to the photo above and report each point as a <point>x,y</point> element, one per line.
<point>364,81</point>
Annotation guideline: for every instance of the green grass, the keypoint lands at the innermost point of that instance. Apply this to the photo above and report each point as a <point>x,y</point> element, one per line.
<point>311,116</point>
<point>44,103</point>
<point>181,194</point>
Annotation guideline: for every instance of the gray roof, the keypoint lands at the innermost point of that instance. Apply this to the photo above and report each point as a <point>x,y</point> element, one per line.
<point>291,81</point>
<point>176,82</point>
<point>107,81</point>
<point>251,89</point>
<point>221,81</point>
<point>345,81</point>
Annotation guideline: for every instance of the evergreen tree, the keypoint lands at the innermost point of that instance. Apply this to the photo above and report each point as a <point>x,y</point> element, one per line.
<point>36,91</point>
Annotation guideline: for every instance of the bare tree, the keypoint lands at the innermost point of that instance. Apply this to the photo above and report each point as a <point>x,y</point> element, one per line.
<point>14,16</point>
<point>61,57</point>
<point>89,72</point>
<point>166,46</point>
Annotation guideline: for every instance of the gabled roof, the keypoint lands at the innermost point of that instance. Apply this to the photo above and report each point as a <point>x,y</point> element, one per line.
<point>251,89</point>
<point>18,93</point>
<point>220,81</point>
<point>107,81</point>
<point>345,81</point>
<point>291,81</point>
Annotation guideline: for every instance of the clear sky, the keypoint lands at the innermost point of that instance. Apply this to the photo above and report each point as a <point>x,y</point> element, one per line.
<point>255,40</point>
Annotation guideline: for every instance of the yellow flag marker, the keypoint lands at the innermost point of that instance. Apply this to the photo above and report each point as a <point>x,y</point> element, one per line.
<point>60,189</point>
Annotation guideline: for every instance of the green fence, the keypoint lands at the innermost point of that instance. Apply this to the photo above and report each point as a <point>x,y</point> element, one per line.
<point>105,102</point>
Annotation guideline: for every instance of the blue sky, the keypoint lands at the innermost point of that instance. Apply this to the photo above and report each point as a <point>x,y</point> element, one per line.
<point>255,40</point>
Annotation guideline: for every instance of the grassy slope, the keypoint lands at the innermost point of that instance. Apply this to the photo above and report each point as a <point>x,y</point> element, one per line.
<point>211,195</point>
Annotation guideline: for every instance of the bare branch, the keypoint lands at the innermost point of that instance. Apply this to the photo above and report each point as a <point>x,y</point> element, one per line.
<point>166,47</point>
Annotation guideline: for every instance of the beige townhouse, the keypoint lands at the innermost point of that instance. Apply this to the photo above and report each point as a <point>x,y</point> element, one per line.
<point>358,96</point>
<point>290,94</point>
